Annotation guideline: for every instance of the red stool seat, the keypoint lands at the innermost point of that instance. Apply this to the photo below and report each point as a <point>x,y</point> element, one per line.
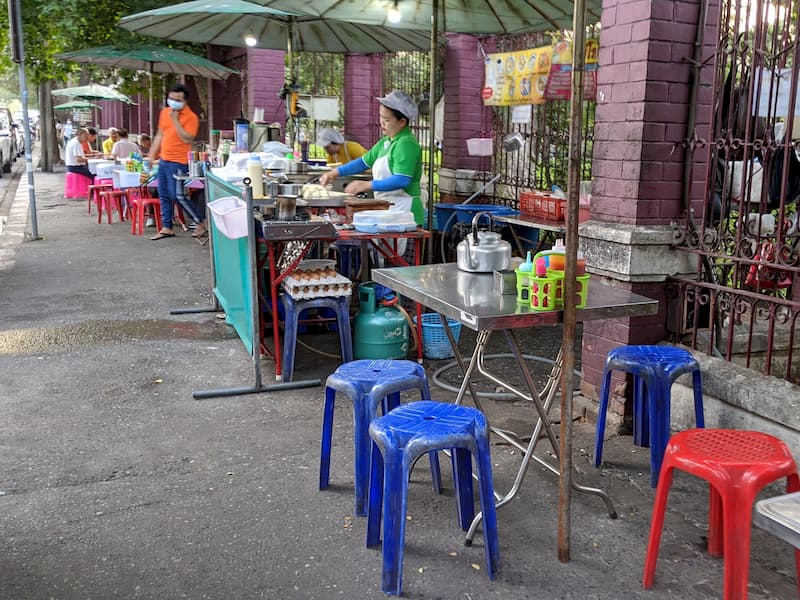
<point>737,465</point>
<point>94,190</point>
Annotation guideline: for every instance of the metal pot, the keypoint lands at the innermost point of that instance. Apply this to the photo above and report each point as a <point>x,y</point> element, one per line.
<point>296,167</point>
<point>286,207</point>
<point>289,189</point>
<point>483,251</point>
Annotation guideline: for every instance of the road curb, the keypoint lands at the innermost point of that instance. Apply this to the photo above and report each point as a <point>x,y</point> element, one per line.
<point>16,229</point>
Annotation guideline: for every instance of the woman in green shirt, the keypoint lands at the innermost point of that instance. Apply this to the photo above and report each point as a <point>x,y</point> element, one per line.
<point>396,160</point>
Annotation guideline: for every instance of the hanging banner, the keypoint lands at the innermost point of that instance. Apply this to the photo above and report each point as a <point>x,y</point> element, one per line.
<point>559,84</point>
<point>514,78</point>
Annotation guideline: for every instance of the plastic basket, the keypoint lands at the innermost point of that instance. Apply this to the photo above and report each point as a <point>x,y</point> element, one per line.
<point>230,216</point>
<point>479,146</point>
<point>434,339</point>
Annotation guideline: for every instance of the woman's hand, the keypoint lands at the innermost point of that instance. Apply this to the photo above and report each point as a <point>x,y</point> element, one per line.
<point>328,177</point>
<point>358,187</point>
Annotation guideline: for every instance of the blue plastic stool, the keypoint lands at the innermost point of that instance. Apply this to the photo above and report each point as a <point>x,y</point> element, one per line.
<point>348,257</point>
<point>291,312</point>
<point>654,369</point>
<point>368,384</point>
<point>399,439</point>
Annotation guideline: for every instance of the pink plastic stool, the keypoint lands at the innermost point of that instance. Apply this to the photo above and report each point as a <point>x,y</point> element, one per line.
<point>737,465</point>
<point>76,186</point>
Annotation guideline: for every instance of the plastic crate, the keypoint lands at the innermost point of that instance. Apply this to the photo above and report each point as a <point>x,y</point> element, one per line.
<point>554,208</point>
<point>434,339</point>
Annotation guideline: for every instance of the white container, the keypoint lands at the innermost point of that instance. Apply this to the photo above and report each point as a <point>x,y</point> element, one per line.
<point>479,146</point>
<point>379,221</point>
<point>125,179</point>
<point>230,216</point>
<point>105,169</point>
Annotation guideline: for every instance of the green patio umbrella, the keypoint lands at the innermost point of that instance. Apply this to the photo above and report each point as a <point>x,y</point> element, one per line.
<point>153,59</point>
<point>93,91</point>
<point>77,105</point>
<point>231,22</point>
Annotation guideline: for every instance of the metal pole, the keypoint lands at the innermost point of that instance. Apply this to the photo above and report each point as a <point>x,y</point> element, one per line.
<point>570,286</point>
<point>432,126</point>
<point>15,13</point>
<point>290,58</point>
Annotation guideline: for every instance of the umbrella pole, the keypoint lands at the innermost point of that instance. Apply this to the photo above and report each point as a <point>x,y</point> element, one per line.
<point>152,103</point>
<point>289,91</point>
<point>570,285</point>
<point>432,125</point>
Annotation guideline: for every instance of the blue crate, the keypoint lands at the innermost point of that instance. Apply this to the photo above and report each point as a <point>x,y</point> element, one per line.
<point>465,212</point>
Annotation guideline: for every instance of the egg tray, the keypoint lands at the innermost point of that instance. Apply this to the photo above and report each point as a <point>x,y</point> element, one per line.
<point>305,289</point>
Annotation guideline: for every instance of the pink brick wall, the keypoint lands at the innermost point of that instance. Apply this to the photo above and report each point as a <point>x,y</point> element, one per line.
<point>642,111</point>
<point>363,82</point>
<point>465,116</point>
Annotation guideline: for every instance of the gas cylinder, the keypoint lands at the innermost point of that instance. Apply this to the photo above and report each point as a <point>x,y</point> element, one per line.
<point>381,331</point>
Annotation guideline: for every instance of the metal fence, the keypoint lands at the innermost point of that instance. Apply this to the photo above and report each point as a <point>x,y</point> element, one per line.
<point>744,302</point>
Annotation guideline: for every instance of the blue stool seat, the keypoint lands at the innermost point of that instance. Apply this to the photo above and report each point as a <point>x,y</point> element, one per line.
<point>654,369</point>
<point>399,439</point>
<point>291,313</point>
<point>369,384</point>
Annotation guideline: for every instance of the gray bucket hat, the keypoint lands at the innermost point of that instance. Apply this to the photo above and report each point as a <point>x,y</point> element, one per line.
<point>329,136</point>
<point>401,102</point>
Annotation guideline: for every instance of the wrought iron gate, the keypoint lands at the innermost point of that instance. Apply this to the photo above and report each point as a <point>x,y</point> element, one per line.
<point>744,302</point>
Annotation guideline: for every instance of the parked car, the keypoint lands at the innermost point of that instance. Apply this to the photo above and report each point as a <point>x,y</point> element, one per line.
<point>8,141</point>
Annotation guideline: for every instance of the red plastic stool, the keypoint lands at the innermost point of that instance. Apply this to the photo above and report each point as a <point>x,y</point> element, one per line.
<point>138,201</point>
<point>107,197</point>
<point>94,190</point>
<point>76,186</point>
<point>737,464</point>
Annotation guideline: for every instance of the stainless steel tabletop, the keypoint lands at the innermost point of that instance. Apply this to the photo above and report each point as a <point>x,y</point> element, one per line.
<point>781,517</point>
<point>470,298</point>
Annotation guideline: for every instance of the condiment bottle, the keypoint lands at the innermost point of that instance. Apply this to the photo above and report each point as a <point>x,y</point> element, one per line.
<point>541,287</point>
<point>524,280</point>
<point>580,268</point>
<point>256,175</point>
<point>558,256</point>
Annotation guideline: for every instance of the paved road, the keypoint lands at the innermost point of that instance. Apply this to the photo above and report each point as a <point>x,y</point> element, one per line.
<point>117,484</point>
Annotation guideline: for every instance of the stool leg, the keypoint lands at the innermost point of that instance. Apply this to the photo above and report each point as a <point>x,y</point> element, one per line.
<point>656,525</point>
<point>641,422</point>
<point>345,337</point>
<point>436,472</point>
<point>375,498</point>
<point>698,399</point>
<point>327,435</point>
<point>462,474</point>
<point>601,418</point>
<point>658,405</point>
<point>361,420</point>
<point>491,542</point>
<point>290,317</point>
<point>716,530</point>
<point>395,504</point>
<point>737,511</point>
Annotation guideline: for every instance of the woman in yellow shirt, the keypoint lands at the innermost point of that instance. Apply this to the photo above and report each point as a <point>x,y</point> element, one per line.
<point>339,150</point>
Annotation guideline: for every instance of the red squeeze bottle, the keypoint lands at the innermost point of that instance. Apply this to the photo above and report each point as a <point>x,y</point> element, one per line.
<point>581,265</point>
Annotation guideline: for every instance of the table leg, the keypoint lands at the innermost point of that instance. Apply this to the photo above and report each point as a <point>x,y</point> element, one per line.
<point>543,422</point>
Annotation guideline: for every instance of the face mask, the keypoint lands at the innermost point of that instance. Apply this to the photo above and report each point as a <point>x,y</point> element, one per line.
<point>174,104</point>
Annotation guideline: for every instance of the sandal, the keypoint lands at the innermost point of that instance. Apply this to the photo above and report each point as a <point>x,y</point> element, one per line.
<point>162,235</point>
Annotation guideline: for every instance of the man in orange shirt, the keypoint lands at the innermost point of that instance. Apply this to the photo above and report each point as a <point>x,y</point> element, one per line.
<point>177,128</point>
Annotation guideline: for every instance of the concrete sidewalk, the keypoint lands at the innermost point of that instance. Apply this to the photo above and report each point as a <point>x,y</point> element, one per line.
<point>117,484</point>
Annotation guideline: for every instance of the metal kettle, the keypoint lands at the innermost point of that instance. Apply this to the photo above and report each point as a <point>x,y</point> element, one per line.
<point>483,251</point>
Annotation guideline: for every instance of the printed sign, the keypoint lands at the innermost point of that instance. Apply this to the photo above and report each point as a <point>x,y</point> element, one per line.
<point>559,83</point>
<point>515,78</point>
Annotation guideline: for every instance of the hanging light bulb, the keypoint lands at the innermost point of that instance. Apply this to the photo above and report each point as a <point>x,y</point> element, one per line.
<point>250,40</point>
<point>393,14</point>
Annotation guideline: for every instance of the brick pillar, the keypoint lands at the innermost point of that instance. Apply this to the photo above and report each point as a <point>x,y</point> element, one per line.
<point>265,78</point>
<point>642,108</point>
<point>465,116</point>
<point>363,82</point>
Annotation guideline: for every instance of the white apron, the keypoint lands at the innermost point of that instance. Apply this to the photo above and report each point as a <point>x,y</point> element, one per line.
<point>400,200</point>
